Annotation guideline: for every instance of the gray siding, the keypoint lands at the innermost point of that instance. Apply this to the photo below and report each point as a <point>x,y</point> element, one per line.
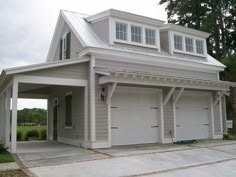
<point>75,71</point>
<point>168,117</point>
<point>76,46</point>
<point>164,40</point>
<point>124,66</point>
<point>76,133</point>
<point>102,29</point>
<point>136,48</point>
<point>101,111</point>
<point>217,122</point>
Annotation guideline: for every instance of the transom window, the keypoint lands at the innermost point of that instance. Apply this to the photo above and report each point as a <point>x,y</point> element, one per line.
<point>68,110</point>
<point>189,44</point>
<point>121,31</point>
<point>178,42</point>
<point>199,46</point>
<point>150,36</point>
<point>136,34</point>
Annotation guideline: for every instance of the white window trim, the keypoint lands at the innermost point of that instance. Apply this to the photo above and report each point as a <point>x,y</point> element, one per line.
<point>194,53</point>
<point>64,40</point>
<point>68,127</point>
<point>128,41</point>
<point>127,32</point>
<point>141,28</point>
<point>155,31</point>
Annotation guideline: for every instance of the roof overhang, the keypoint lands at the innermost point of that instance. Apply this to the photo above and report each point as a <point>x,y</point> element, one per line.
<point>181,29</point>
<point>151,59</point>
<point>163,81</point>
<point>124,15</point>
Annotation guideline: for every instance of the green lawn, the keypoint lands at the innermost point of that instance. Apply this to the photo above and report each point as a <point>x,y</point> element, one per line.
<point>5,156</point>
<point>25,129</point>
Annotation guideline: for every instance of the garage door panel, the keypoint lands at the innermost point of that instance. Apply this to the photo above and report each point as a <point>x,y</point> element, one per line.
<point>134,118</point>
<point>192,118</point>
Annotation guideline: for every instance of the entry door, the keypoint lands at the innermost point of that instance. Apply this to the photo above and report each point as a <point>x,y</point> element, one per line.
<point>55,122</point>
<point>192,114</point>
<point>134,116</point>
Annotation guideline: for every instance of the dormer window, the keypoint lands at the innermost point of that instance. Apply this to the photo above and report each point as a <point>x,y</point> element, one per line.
<point>199,46</point>
<point>121,31</point>
<point>65,46</point>
<point>150,36</point>
<point>136,34</point>
<point>189,44</point>
<point>178,42</point>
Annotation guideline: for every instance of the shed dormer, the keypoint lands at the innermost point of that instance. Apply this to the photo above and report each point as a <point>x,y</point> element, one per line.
<point>125,29</point>
<point>177,39</point>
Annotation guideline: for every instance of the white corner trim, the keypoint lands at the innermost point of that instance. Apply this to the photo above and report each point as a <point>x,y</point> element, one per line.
<point>50,80</point>
<point>85,114</point>
<point>92,100</point>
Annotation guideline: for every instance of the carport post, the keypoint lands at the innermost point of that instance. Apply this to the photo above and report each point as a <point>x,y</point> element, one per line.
<point>8,102</point>
<point>14,116</point>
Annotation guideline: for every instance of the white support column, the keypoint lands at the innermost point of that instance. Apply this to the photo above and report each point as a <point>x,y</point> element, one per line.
<point>92,101</point>
<point>212,133</point>
<point>85,116</point>
<point>14,116</point>
<point>3,117</point>
<point>168,96</point>
<point>161,118</point>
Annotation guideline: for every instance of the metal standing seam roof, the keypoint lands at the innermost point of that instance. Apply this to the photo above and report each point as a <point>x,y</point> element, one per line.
<point>91,39</point>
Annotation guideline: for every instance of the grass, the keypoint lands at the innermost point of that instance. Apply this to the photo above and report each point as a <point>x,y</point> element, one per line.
<point>25,129</point>
<point>5,156</point>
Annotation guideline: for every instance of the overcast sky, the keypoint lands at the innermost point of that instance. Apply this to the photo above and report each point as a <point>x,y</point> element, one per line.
<point>26,26</point>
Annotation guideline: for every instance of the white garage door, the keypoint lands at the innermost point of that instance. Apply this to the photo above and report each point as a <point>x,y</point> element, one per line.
<point>192,114</point>
<point>134,116</point>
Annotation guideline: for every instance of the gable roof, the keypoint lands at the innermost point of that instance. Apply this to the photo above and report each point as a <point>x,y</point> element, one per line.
<point>86,34</point>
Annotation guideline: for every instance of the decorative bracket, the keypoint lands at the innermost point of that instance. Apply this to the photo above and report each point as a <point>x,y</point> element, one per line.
<point>167,98</point>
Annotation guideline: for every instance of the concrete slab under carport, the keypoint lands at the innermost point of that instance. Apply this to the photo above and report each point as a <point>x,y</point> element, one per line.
<point>47,153</point>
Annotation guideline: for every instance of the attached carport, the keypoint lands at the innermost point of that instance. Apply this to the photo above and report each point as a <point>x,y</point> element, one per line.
<point>204,95</point>
<point>35,82</point>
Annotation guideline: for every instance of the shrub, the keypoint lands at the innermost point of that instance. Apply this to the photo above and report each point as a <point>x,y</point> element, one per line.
<point>229,136</point>
<point>32,134</point>
<point>43,134</point>
<point>19,136</point>
<point>2,148</point>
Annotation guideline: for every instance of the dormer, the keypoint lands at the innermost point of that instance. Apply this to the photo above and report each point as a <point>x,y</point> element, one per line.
<point>177,39</point>
<point>127,30</point>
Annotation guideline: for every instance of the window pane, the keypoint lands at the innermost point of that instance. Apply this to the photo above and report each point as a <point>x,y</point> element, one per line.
<point>189,44</point>
<point>178,42</point>
<point>121,31</point>
<point>199,46</point>
<point>68,111</point>
<point>150,36</point>
<point>136,34</point>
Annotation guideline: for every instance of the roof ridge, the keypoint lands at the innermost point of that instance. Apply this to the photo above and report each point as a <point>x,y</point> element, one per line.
<point>74,12</point>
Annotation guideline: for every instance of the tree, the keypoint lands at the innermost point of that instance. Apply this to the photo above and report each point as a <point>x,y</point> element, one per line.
<point>230,75</point>
<point>206,15</point>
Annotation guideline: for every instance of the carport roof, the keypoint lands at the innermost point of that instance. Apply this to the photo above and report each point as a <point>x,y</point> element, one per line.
<point>7,74</point>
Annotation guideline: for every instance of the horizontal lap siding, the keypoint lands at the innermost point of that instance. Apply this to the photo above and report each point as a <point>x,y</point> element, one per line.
<point>76,46</point>
<point>102,29</point>
<point>138,48</point>
<point>75,71</point>
<point>75,133</point>
<point>217,120</point>
<point>168,117</point>
<point>116,65</point>
<point>101,111</point>
<point>164,40</point>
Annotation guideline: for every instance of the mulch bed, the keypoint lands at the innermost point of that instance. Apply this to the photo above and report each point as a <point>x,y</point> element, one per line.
<point>13,173</point>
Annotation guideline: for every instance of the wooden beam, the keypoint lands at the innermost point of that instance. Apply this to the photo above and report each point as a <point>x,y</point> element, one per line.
<point>171,91</point>
<point>178,95</point>
<point>110,92</point>
<point>218,97</point>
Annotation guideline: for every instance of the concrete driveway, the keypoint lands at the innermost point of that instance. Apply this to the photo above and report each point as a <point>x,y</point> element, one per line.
<point>206,159</point>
